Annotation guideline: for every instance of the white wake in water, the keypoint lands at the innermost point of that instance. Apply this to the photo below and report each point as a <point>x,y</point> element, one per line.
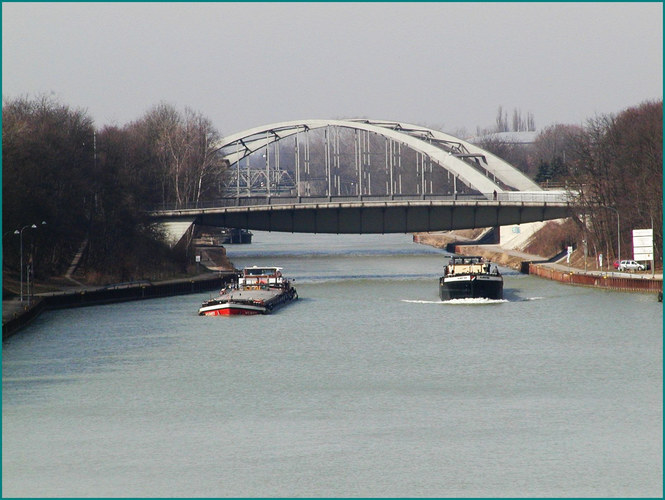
<point>454,302</point>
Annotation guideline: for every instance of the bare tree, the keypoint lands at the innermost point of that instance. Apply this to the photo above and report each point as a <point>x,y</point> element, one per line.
<point>47,173</point>
<point>551,150</point>
<point>501,120</point>
<point>617,163</point>
<point>517,120</point>
<point>188,162</point>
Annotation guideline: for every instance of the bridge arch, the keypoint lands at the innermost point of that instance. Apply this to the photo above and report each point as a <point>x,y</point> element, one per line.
<point>471,165</point>
<point>503,170</point>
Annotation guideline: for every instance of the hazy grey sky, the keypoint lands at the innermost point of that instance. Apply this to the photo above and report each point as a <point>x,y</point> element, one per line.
<point>445,65</point>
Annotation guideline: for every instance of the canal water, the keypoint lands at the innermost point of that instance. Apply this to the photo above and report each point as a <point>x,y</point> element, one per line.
<point>367,386</point>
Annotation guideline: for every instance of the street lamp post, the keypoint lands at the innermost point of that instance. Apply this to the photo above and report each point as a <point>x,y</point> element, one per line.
<point>20,233</point>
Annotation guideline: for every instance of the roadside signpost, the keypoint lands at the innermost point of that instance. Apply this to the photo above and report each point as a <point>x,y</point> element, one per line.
<point>643,246</point>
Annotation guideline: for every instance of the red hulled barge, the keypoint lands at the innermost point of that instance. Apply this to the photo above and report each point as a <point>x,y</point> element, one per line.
<point>259,290</point>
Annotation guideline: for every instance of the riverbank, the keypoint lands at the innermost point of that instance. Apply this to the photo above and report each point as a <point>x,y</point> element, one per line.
<point>549,268</point>
<point>213,271</point>
<point>17,314</point>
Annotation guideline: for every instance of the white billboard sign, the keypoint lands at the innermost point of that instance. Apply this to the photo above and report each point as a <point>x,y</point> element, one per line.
<point>642,244</point>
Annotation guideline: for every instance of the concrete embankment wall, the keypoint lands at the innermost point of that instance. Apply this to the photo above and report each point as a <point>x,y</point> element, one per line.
<point>22,318</point>
<point>609,282</point>
<point>117,293</point>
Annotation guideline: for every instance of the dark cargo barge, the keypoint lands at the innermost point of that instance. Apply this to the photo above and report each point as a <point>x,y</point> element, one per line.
<point>466,277</point>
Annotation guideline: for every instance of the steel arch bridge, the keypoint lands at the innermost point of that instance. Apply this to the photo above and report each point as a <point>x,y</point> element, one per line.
<point>364,176</point>
<point>469,165</point>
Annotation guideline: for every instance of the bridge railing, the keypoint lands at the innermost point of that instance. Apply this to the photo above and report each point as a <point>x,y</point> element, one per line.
<point>248,201</point>
<point>537,196</point>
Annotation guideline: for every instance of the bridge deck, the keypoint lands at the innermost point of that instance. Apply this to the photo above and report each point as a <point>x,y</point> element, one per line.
<point>357,217</point>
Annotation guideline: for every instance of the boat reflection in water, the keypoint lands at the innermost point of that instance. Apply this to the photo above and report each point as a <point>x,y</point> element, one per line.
<point>470,277</point>
<point>259,291</point>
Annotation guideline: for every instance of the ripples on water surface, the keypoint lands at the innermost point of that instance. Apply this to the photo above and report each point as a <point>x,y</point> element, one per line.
<point>366,386</point>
